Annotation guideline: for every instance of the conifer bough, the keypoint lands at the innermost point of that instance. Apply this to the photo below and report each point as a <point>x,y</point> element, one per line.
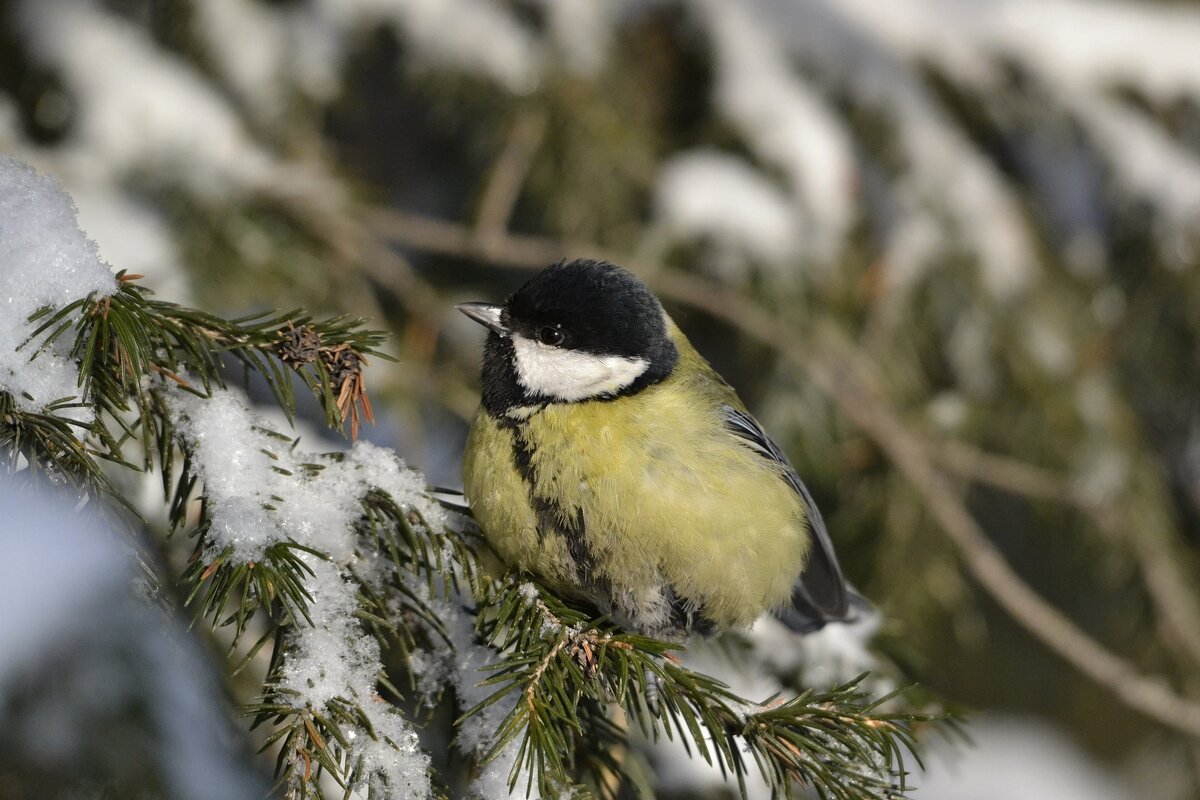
<point>319,569</point>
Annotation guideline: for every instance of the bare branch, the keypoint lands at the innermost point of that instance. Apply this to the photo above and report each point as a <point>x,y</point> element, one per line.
<point>1002,472</point>
<point>508,173</point>
<point>451,239</point>
<point>1170,589</point>
<point>1173,593</point>
<point>870,412</point>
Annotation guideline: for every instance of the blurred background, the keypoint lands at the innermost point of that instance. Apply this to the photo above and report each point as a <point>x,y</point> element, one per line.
<point>948,251</point>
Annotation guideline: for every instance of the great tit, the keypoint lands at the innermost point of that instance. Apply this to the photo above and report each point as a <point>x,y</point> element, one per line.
<point>612,461</point>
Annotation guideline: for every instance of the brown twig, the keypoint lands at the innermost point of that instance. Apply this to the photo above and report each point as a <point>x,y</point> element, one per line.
<point>360,257</point>
<point>1174,596</point>
<point>449,238</point>
<point>870,412</point>
<point>1001,472</point>
<point>1171,591</point>
<point>858,396</point>
<point>536,678</point>
<point>844,374</point>
<point>507,177</point>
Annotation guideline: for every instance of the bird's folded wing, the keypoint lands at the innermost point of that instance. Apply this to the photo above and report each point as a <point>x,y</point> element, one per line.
<point>819,595</point>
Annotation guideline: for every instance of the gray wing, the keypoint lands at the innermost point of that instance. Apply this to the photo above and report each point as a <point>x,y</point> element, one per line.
<point>820,594</point>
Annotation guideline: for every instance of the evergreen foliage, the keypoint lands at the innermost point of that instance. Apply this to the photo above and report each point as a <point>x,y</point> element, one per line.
<point>948,252</point>
<point>573,685</point>
<point>840,742</point>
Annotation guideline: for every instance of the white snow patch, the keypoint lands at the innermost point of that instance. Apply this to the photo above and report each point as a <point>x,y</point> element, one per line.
<point>470,35</point>
<point>1147,163</point>
<point>950,175</point>
<point>266,52</point>
<point>1099,42</point>
<point>1014,757</point>
<point>260,491</point>
<point>784,121</point>
<point>140,106</point>
<point>833,655</point>
<point>464,666</point>
<point>722,201</point>
<point>245,469</point>
<point>948,411</point>
<point>249,43</point>
<point>945,178</point>
<point>1049,346</point>
<point>86,648</point>
<point>1078,50</point>
<point>582,31</point>
<point>45,260</point>
<point>678,772</point>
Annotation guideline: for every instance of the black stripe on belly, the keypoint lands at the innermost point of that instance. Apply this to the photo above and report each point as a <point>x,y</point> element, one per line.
<point>552,517</point>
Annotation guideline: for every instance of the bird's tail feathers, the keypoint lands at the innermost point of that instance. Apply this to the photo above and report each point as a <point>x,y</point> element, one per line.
<point>803,616</point>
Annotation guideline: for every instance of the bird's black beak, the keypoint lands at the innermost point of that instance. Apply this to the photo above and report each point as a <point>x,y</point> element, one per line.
<point>485,314</point>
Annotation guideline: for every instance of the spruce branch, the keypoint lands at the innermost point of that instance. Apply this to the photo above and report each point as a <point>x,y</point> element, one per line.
<point>126,344</point>
<point>48,444</point>
<point>400,559</point>
<point>122,338</point>
<point>136,356</point>
<point>557,661</point>
<point>576,683</point>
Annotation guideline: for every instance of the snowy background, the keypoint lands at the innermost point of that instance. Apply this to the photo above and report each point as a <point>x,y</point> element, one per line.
<point>998,201</point>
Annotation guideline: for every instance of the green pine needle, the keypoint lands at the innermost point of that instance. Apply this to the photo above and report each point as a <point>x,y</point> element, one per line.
<point>576,684</point>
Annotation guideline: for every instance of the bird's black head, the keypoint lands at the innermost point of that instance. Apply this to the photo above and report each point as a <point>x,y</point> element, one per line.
<point>578,330</point>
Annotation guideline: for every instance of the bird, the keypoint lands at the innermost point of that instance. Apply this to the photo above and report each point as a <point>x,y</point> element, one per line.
<point>612,462</point>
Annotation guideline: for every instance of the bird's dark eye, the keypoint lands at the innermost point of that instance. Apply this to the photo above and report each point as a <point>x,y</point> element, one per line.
<point>551,335</point>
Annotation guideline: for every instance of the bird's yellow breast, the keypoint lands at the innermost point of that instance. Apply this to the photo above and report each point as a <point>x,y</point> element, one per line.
<point>665,496</point>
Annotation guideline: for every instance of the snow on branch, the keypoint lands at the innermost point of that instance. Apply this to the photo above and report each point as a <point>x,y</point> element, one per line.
<point>328,563</point>
<point>263,498</point>
<point>785,122</point>
<point>45,261</point>
<point>1080,51</point>
<point>140,106</point>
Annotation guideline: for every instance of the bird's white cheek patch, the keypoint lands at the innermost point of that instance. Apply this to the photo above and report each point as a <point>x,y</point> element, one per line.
<point>570,375</point>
